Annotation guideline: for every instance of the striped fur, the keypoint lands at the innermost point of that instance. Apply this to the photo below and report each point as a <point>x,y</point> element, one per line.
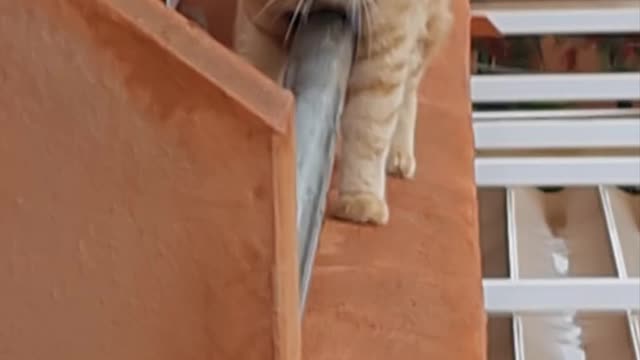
<point>397,40</point>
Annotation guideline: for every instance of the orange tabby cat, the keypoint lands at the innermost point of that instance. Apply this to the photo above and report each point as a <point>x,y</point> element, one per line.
<point>397,39</point>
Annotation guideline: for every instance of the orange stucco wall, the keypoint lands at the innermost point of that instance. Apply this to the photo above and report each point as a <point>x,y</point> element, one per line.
<point>413,289</point>
<point>145,196</point>
<point>146,207</point>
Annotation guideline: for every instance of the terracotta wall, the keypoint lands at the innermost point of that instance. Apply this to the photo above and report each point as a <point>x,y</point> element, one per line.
<point>146,190</point>
<point>411,290</point>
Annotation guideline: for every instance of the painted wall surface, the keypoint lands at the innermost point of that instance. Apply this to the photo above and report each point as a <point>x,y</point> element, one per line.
<point>146,208</point>
<point>145,212</point>
<point>411,290</point>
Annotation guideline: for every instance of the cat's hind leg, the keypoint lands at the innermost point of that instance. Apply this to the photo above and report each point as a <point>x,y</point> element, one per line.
<point>401,160</point>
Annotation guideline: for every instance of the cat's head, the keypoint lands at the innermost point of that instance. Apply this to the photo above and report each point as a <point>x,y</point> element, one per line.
<point>302,5</point>
<point>289,11</point>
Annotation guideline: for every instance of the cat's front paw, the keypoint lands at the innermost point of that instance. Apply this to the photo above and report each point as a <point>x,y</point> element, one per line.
<point>361,208</point>
<point>401,163</point>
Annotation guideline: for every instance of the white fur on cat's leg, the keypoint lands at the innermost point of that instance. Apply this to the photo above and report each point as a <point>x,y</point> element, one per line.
<point>361,195</point>
<point>362,179</point>
<point>401,160</point>
<point>367,128</point>
<point>362,208</point>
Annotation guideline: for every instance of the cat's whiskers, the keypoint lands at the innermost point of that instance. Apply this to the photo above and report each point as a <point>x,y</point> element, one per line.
<point>300,6</point>
<point>264,9</point>
<point>356,14</point>
<point>368,16</point>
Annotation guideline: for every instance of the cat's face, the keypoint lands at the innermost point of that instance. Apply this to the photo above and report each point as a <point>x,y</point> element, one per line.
<point>291,5</point>
<point>266,8</point>
<point>275,16</point>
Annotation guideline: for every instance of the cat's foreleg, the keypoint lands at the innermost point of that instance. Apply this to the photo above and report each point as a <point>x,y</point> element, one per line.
<point>369,119</point>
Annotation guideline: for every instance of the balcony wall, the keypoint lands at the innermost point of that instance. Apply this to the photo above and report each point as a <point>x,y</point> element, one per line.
<point>147,203</point>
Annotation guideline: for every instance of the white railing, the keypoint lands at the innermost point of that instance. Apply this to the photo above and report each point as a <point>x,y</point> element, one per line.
<point>557,170</point>
<point>522,294</point>
<point>561,16</point>
<point>573,147</point>
<point>555,87</point>
<point>558,295</point>
<point>606,132</point>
